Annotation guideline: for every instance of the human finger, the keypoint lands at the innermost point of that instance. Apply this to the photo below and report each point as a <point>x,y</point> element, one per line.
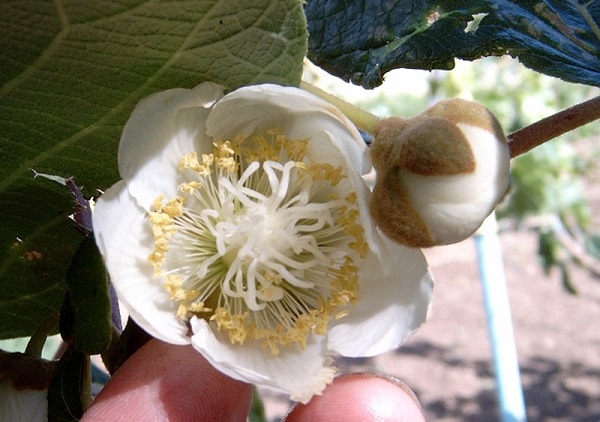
<point>360,397</point>
<point>171,383</point>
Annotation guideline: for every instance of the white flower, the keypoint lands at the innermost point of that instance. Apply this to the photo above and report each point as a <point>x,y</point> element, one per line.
<point>241,226</point>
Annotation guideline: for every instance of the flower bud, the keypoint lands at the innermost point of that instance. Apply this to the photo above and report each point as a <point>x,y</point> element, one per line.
<point>24,382</point>
<point>440,174</point>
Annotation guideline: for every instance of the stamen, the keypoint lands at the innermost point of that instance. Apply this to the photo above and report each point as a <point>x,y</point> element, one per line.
<point>253,244</point>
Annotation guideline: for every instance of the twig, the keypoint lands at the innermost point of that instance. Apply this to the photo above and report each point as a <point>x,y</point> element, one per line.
<point>361,118</point>
<point>575,248</point>
<point>529,137</point>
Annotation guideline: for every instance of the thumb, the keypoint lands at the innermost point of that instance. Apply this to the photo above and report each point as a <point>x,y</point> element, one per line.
<point>175,383</point>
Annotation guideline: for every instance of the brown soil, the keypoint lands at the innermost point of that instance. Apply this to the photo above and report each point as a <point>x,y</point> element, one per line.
<point>448,361</point>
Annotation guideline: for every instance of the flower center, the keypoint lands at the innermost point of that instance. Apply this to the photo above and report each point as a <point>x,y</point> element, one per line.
<point>262,241</point>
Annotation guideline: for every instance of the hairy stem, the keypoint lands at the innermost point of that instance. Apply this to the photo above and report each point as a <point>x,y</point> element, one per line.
<point>361,118</point>
<point>38,339</point>
<point>531,136</point>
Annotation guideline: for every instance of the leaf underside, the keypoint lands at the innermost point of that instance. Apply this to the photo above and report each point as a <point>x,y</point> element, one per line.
<point>361,40</point>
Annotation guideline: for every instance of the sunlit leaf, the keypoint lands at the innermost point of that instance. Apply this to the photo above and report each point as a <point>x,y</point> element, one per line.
<point>70,74</point>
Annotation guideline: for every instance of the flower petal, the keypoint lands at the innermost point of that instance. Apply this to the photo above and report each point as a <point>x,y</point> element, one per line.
<point>333,138</point>
<point>124,237</point>
<point>300,373</point>
<point>454,206</point>
<point>22,405</point>
<point>393,302</point>
<point>161,130</point>
<point>256,109</point>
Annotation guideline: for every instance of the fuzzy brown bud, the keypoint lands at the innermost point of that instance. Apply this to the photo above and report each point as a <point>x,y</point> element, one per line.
<point>440,174</point>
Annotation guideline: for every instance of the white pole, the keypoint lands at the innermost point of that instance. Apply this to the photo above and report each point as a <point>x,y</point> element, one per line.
<point>506,364</point>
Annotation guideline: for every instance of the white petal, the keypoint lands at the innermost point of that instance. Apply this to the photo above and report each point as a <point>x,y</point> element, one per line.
<point>299,373</point>
<point>25,405</point>
<point>393,302</point>
<point>454,206</point>
<point>161,130</point>
<point>255,109</point>
<point>124,237</point>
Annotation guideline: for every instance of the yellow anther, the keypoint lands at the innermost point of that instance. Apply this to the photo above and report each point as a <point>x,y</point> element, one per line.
<point>157,203</point>
<point>223,149</point>
<point>198,236</point>
<point>235,325</point>
<point>326,172</point>
<point>228,164</point>
<point>182,311</point>
<point>190,187</point>
<point>174,207</point>
<point>351,198</point>
<point>189,161</point>
<point>198,307</point>
<point>174,281</point>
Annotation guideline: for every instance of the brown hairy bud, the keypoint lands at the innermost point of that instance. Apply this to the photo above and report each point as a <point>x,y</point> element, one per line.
<point>439,174</point>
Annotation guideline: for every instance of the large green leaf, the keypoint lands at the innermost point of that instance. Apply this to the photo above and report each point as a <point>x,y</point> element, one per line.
<point>70,74</point>
<point>361,40</point>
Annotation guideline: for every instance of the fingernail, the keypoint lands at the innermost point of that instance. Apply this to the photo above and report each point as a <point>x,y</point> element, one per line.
<point>399,384</point>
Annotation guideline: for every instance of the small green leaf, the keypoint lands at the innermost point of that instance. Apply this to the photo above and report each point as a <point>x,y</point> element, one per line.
<point>567,281</point>
<point>592,245</point>
<point>362,40</point>
<point>547,181</point>
<point>548,250</point>
<point>69,389</point>
<point>257,410</point>
<point>67,320</point>
<point>70,74</point>
<point>124,345</point>
<point>87,284</point>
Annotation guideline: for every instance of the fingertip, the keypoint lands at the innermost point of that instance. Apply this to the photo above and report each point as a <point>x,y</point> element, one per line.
<point>166,382</point>
<point>361,397</point>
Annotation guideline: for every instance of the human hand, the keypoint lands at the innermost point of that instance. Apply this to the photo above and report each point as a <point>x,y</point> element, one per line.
<point>174,383</point>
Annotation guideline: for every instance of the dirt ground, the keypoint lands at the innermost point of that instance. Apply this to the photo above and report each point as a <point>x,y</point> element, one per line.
<point>448,361</point>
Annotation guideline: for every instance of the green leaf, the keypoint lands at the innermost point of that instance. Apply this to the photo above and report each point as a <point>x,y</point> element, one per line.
<point>257,410</point>
<point>70,74</point>
<point>547,180</point>
<point>549,250</point>
<point>361,40</point>
<point>87,284</point>
<point>36,243</point>
<point>68,394</point>
<point>592,244</point>
<point>567,281</point>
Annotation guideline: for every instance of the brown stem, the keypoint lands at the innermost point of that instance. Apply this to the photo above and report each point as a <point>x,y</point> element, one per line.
<point>531,136</point>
